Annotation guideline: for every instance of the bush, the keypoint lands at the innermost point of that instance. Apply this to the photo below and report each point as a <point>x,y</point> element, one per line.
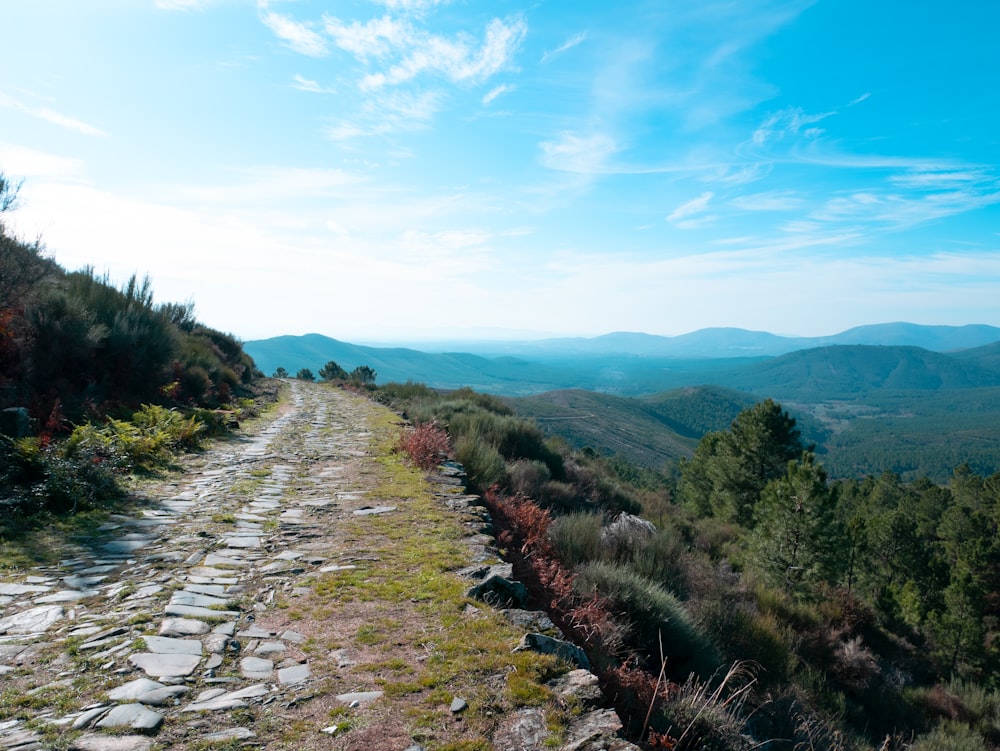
<point>652,616</point>
<point>949,736</point>
<point>663,559</point>
<point>426,445</point>
<point>483,463</point>
<point>577,538</point>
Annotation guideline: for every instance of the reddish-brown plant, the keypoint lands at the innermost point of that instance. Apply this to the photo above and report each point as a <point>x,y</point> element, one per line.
<point>426,445</point>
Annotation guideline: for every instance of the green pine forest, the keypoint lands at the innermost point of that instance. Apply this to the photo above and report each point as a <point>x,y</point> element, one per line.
<point>731,589</point>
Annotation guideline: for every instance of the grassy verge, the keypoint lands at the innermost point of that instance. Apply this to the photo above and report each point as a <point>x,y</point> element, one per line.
<point>403,617</point>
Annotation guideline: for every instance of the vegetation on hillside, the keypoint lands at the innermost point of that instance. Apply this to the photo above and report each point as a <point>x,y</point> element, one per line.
<point>769,604</point>
<point>96,380</point>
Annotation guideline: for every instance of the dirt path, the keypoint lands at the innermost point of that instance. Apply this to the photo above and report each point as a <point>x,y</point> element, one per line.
<point>293,588</point>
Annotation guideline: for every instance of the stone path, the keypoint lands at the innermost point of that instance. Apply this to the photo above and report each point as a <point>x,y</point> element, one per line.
<point>149,636</point>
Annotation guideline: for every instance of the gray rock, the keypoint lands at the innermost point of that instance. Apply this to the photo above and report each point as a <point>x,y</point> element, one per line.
<point>133,689</point>
<point>256,668</point>
<point>87,718</point>
<point>373,510</point>
<point>215,643</point>
<point>294,674</point>
<point>230,734</point>
<point>596,731</point>
<point>101,742</point>
<point>458,705</point>
<point>270,647</point>
<point>169,646</point>
<point>549,646</point>
<point>182,627</point>
<point>578,686</point>
<point>183,597</point>
<point>521,730</point>
<point>196,612</point>
<point>165,665</point>
<point>500,592</point>
<point>529,620</point>
<point>31,621</point>
<point>359,697</point>
<point>133,716</point>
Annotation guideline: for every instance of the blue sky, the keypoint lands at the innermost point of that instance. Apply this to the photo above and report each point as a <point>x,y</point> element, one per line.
<point>390,170</point>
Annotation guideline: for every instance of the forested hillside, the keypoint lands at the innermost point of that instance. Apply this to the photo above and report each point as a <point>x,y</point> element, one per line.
<point>765,605</point>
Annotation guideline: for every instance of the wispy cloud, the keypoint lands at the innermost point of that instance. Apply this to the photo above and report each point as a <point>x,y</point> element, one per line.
<point>390,112</point>
<point>691,208</point>
<point>495,92</point>
<point>791,121</point>
<point>455,59</point>
<point>299,37</point>
<point>569,44</point>
<point>50,116</point>
<point>575,153</point>
<point>305,84</point>
<point>859,99</point>
<point>768,201</point>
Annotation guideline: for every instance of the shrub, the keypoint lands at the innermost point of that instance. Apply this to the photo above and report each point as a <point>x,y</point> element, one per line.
<point>652,616</point>
<point>949,736</point>
<point>426,444</point>
<point>528,477</point>
<point>577,538</point>
<point>483,463</point>
<point>706,715</point>
<point>663,559</point>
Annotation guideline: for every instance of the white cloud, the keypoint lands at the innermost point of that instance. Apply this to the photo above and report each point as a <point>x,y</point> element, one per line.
<point>768,201</point>
<point>410,52</point>
<point>376,38</point>
<point>692,207</point>
<point>410,6</point>
<point>790,121</point>
<point>50,116</point>
<point>583,154</point>
<point>860,99</point>
<point>569,44</point>
<point>495,92</point>
<point>305,84</point>
<point>388,112</point>
<point>297,36</point>
<point>21,161</point>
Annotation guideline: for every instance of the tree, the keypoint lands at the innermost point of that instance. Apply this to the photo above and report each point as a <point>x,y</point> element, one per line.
<point>794,535</point>
<point>280,373</point>
<point>332,372</point>
<point>305,375</point>
<point>364,375</point>
<point>734,466</point>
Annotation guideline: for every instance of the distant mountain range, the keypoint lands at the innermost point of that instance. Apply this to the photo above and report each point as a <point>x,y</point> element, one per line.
<point>917,400</point>
<point>878,356</point>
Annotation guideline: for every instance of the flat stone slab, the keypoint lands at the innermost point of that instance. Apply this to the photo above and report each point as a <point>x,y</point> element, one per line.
<point>230,734</point>
<point>243,542</point>
<point>165,665</point>
<point>121,547</point>
<point>67,595</point>
<point>182,597</point>
<point>166,645</point>
<point>214,559</point>
<point>225,701</point>
<point>361,697</point>
<point>374,510</point>
<point>270,648</point>
<point>256,668</point>
<point>102,742</point>
<point>32,621</point>
<point>22,589</point>
<point>295,674</point>
<point>133,716</point>
<point>133,689</point>
<point>196,612</point>
<point>183,627</point>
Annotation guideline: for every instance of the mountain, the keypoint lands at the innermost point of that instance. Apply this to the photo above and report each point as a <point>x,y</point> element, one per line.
<point>444,370</point>
<point>711,343</point>
<point>845,370</point>
<point>609,424</point>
